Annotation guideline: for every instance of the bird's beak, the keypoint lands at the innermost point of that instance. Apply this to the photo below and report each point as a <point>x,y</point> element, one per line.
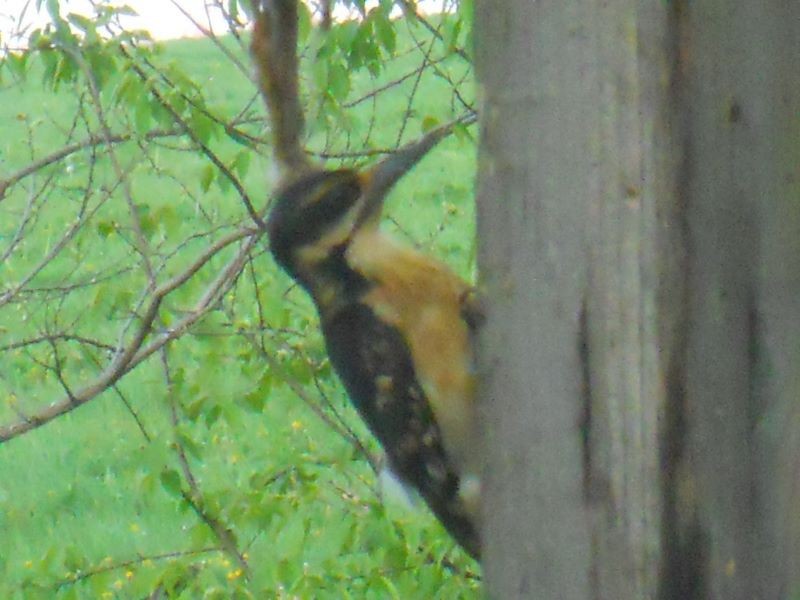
<point>377,181</point>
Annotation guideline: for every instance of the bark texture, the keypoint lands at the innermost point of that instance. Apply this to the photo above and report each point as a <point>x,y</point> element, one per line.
<point>639,247</point>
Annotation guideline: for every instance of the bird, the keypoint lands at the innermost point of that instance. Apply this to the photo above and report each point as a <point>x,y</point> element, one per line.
<point>399,328</point>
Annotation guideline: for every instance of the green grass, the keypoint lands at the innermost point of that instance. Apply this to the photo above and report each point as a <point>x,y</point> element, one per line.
<point>88,492</point>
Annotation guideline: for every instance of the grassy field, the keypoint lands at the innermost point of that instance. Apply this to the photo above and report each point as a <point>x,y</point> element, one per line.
<point>87,503</point>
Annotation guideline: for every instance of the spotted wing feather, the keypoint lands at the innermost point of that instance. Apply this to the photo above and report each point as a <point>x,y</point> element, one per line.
<point>375,366</point>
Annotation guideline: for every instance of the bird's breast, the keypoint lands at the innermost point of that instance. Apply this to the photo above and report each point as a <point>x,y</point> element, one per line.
<point>422,298</point>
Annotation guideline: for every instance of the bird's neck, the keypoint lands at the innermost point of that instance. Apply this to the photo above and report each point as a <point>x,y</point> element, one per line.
<point>331,281</point>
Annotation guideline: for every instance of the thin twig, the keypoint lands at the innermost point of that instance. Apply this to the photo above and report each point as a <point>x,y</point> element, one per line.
<point>61,337</point>
<point>204,148</point>
<point>142,245</point>
<point>294,385</point>
<point>411,9</point>
<point>70,233</point>
<point>135,351</point>
<point>62,153</point>
<point>134,562</point>
<point>194,496</point>
<point>209,33</point>
<point>392,84</point>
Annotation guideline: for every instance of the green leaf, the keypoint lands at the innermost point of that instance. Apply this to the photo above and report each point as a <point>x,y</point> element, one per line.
<point>16,63</point>
<point>450,33</point>
<point>466,8</point>
<point>53,9</point>
<point>462,133</point>
<point>338,81</point>
<point>167,219</point>
<point>70,593</point>
<point>83,23</point>
<point>213,415</point>
<point>224,184</point>
<point>106,228</point>
<point>232,415</point>
<point>125,10</point>
<point>389,587</point>
<point>428,123</point>
<point>74,559</point>
<point>290,539</point>
<point>207,175</point>
<point>52,559</point>
<point>333,538</point>
<point>384,29</point>
<point>142,113</point>
<point>191,447</point>
<point>65,71</point>
<point>103,65</point>
<point>256,398</point>
<point>203,126</point>
<point>174,577</point>
<point>129,89</point>
<point>171,482</point>
<point>147,220</point>
<point>240,139</point>
<point>241,163</point>
<point>200,535</point>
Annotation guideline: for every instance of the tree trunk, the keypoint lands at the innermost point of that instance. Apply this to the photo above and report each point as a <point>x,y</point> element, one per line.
<point>639,247</point>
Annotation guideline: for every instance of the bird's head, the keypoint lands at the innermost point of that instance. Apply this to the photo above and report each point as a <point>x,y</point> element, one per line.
<point>318,215</point>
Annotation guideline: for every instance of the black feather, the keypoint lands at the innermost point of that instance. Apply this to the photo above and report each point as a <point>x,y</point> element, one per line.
<point>304,210</point>
<point>366,351</point>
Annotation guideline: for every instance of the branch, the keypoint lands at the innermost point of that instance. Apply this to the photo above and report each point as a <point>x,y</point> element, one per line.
<point>70,233</point>
<point>58,337</point>
<point>274,49</point>
<point>78,577</point>
<point>410,102</point>
<point>392,84</point>
<point>254,215</point>
<point>336,424</point>
<point>193,496</point>
<point>62,153</point>
<point>209,33</point>
<point>135,352</point>
<point>411,9</point>
<point>142,245</point>
<point>438,133</point>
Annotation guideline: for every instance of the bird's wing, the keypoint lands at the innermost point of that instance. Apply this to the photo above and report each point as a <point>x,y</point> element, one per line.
<point>375,366</point>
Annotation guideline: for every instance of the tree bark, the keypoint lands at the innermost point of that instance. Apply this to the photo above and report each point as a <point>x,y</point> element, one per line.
<point>742,401</point>
<point>639,248</point>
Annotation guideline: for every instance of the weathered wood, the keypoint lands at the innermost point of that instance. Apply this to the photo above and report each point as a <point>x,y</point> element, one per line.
<point>639,248</point>
<point>742,101</point>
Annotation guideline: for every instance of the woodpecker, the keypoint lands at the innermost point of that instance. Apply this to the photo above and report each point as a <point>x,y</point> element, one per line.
<point>398,326</point>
